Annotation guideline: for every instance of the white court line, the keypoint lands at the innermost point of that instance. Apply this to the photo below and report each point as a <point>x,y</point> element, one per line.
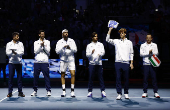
<point>7,97</point>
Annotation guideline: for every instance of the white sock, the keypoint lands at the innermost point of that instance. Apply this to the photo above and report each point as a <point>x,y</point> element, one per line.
<point>63,86</point>
<point>72,86</point>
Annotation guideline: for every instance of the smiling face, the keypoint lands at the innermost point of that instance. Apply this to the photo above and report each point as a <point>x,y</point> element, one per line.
<point>95,38</point>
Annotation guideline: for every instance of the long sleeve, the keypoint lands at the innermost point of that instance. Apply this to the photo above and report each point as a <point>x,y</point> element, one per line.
<point>20,51</point>
<point>8,51</point>
<point>73,47</point>
<point>59,49</point>
<point>155,50</point>
<point>88,52</point>
<point>111,41</point>
<point>102,53</point>
<point>143,52</point>
<point>131,51</point>
<point>47,48</point>
<point>37,48</point>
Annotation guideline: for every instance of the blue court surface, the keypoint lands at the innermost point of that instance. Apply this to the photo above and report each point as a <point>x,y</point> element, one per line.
<point>81,102</point>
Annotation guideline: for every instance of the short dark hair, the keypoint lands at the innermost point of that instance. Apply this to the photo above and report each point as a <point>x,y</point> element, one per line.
<point>93,34</point>
<point>14,34</point>
<point>41,31</point>
<point>149,34</point>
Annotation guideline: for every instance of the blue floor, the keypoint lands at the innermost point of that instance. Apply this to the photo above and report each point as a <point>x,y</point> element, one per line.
<point>81,102</point>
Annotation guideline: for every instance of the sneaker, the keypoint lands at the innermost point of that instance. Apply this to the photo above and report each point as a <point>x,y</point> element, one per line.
<point>9,95</point>
<point>21,94</point>
<point>144,95</point>
<point>72,94</point>
<point>64,94</point>
<point>34,93</point>
<point>156,95</point>
<point>89,94</point>
<point>126,96</point>
<point>103,94</point>
<point>119,97</point>
<point>48,93</point>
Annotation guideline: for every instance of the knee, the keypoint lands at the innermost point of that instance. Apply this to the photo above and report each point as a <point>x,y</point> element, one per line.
<point>63,75</point>
<point>73,75</point>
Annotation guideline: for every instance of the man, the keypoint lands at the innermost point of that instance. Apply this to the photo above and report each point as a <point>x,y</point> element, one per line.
<point>42,53</point>
<point>147,50</point>
<point>15,50</point>
<point>94,52</point>
<point>66,48</point>
<point>123,55</point>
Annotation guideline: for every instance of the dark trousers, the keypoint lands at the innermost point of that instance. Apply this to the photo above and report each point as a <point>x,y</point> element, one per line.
<point>44,67</point>
<point>149,69</point>
<point>122,68</point>
<point>12,68</point>
<point>92,70</point>
<point>3,67</point>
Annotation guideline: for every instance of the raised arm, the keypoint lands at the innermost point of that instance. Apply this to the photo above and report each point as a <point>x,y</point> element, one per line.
<point>111,41</point>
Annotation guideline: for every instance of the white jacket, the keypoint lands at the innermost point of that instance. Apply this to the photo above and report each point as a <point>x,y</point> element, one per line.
<point>144,51</point>
<point>18,48</point>
<point>42,53</point>
<point>123,49</point>
<point>66,55</point>
<point>96,57</point>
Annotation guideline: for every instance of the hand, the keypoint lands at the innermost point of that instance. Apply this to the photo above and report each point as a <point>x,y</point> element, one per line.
<point>14,52</point>
<point>131,66</point>
<point>110,28</point>
<point>42,44</point>
<point>93,51</point>
<point>150,52</point>
<point>67,46</point>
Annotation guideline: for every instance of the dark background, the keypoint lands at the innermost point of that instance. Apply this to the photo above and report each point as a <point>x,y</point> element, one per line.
<point>81,18</point>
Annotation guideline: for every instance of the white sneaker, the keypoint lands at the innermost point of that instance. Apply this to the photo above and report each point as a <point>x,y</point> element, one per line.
<point>34,93</point>
<point>119,97</point>
<point>48,93</point>
<point>72,94</point>
<point>144,95</point>
<point>64,94</point>
<point>156,95</point>
<point>126,96</point>
<point>89,94</point>
<point>103,94</point>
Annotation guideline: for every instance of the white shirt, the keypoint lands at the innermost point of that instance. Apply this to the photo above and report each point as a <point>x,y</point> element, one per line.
<point>96,57</point>
<point>123,49</point>
<point>42,53</point>
<point>66,55</point>
<point>144,52</point>
<point>18,47</point>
